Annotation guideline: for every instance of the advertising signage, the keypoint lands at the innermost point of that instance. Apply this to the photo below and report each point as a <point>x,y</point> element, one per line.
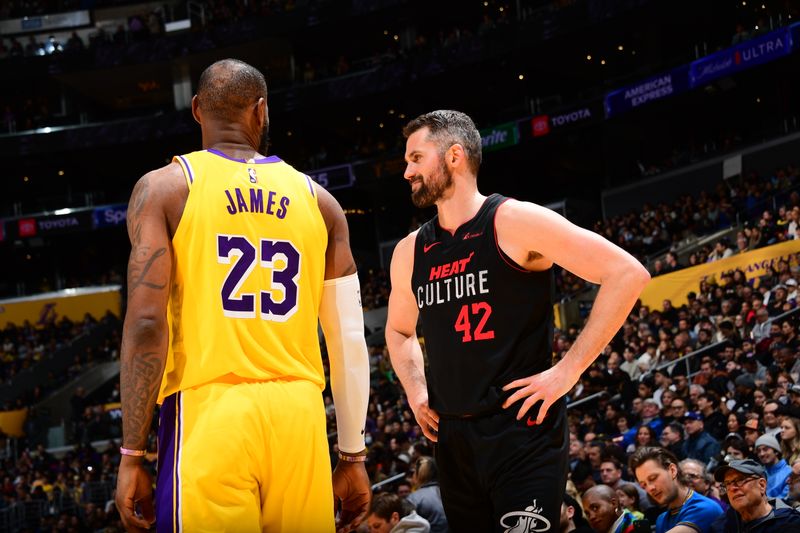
<point>757,51</point>
<point>332,178</point>
<point>499,137</point>
<point>542,125</point>
<point>109,216</point>
<point>646,91</point>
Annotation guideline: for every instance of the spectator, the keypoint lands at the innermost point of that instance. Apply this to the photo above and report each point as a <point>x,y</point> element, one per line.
<point>607,516</point>
<point>736,448</point>
<point>389,514</point>
<point>751,508</point>
<point>698,478</point>
<point>658,473</point>
<point>403,489</point>
<point>790,439</point>
<point>769,455</point>
<point>761,328</point>
<point>751,432</point>
<point>426,498</point>
<point>672,439</point>
<point>699,444</point>
<point>713,420</point>
<point>629,499</point>
<point>772,425</point>
<point>572,520</point>
<point>611,474</point>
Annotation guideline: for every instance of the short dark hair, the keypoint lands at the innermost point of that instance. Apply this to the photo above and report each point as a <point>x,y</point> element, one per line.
<point>677,427</point>
<point>711,397</point>
<point>660,455</point>
<point>228,87</point>
<point>385,504</point>
<point>614,461</point>
<point>446,128</point>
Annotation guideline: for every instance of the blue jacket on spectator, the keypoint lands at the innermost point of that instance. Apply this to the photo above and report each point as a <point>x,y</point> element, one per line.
<point>777,475</point>
<point>701,447</point>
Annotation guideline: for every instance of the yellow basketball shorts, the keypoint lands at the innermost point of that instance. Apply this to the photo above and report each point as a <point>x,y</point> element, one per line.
<point>246,457</point>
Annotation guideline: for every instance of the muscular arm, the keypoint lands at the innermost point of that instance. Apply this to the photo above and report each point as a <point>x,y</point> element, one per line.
<point>144,334</point>
<point>526,229</point>
<point>342,322</point>
<point>401,337</point>
<point>339,260</point>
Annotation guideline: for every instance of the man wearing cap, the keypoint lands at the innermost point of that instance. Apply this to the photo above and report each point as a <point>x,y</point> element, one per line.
<point>699,445</point>
<point>769,454</point>
<point>751,433</point>
<point>752,510</point>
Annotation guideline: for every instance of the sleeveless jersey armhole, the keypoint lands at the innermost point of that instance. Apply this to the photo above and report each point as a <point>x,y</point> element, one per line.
<point>504,256</point>
<point>187,169</point>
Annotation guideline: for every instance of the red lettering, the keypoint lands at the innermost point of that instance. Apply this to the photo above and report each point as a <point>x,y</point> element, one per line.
<point>481,335</point>
<point>446,270</point>
<point>463,323</point>
<point>436,273</point>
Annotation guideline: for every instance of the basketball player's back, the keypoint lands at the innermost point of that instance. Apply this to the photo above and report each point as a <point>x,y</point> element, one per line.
<point>249,267</point>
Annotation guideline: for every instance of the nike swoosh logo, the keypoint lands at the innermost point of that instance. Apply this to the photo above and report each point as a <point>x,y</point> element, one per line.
<point>427,247</point>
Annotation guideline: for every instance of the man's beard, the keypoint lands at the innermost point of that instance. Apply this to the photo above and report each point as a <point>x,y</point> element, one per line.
<point>263,146</point>
<point>433,189</point>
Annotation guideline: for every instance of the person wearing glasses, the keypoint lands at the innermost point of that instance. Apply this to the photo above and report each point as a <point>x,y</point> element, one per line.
<point>658,473</point>
<point>745,483</point>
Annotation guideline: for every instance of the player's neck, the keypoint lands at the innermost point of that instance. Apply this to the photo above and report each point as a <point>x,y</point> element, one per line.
<point>231,140</point>
<point>459,206</point>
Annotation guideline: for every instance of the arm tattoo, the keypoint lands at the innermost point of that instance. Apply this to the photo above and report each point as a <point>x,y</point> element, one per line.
<point>141,259</point>
<point>140,378</point>
<point>139,265</point>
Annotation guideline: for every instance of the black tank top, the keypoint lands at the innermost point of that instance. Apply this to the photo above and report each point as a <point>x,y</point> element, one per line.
<point>486,321</point>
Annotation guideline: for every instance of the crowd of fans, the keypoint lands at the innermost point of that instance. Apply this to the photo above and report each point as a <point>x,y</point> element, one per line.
<point>739,399</point>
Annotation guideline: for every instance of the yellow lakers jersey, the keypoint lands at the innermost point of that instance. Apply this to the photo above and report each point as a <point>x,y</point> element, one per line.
<point>249,264</point>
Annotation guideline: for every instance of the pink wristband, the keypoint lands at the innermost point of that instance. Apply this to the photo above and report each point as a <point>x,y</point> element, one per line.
<point>134,453</point>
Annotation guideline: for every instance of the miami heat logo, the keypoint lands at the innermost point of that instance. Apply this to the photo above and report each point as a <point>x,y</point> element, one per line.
<point>528,521</point>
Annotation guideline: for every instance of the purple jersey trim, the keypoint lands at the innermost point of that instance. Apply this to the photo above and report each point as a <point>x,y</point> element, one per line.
<point>260,161</point>
<point>188,168</point>
<point>168,484</point>
<point>310,185</point>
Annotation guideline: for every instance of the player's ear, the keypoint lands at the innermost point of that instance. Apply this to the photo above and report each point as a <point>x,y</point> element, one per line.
<point>196,109</point>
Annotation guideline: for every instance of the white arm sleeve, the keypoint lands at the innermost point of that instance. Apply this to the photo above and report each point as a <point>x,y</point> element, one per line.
<point>342,322</point>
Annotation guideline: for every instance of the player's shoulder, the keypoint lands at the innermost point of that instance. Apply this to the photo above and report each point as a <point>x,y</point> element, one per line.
<point>406,244</point>
<point>164,175</point>
<point>403,254</point>
<point>511,207</point>
<point>159,188</point>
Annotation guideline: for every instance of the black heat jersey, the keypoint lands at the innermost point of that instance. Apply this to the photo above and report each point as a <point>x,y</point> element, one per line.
<point>486,320</point>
